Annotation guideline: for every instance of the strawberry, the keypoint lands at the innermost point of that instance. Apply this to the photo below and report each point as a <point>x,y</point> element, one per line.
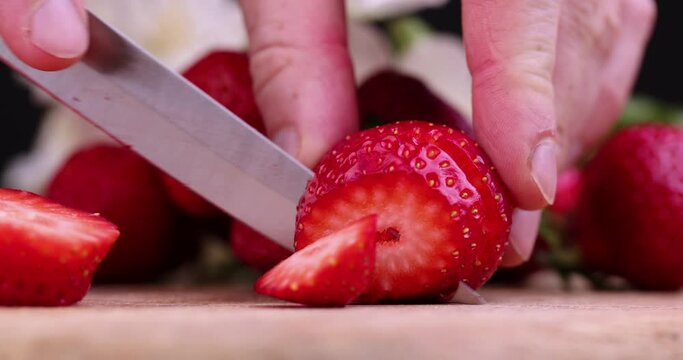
<point>48,253</point>
<point>389,96</point>
<point>187,200</point>
<point>127,190</point>
<point>443,213</point>
<point>333,271</point>
<point>630,215</point>
<point>255,249</point>
<point>223,75</point>
<point>569,186</point>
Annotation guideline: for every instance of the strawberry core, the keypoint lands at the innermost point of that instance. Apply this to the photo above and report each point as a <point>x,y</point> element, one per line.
<point>389,234</point>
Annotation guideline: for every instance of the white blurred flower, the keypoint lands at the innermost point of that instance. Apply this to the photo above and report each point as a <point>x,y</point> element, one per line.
<point>176,31</point>
<point>61,132</point>
<point>370,49</point>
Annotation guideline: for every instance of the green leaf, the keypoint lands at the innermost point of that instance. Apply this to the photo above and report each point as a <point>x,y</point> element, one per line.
<point>406,31</point>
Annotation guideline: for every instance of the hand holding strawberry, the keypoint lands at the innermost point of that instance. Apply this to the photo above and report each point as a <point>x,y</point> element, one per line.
<point>443,216</point>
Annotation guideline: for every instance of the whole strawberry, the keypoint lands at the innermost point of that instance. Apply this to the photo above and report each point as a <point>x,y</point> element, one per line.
<point>223,75</point>
<point>568,192</point>
<point>389,96</point>
<point>254,249</point>
<point>630,216</point>
<point>122,186</point>
<point>48,252</point>
<point>443,215</point>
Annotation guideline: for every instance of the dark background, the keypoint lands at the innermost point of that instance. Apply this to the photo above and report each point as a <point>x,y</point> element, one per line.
<point>659,77</point>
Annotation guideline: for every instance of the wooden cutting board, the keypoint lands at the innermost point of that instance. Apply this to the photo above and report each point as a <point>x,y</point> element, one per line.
<point>210,323</point>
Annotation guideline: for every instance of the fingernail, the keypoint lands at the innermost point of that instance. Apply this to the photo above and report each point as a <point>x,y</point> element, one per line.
<point>522,237</point>
<point>58,28</point>
<point>544,169</point>
<point>288,139</point>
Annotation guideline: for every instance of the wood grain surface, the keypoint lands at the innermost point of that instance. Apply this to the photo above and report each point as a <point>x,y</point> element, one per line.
<point>211,323</point>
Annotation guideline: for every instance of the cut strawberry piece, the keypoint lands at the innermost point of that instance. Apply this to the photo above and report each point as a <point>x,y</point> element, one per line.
<point>333,271</point>
<point>443,213</point>
<point>254,249</point>
<point>48,253</point>
<point>126,189</point>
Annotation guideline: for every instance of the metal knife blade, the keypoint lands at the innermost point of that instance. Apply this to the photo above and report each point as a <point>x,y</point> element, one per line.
<point>123,90</point>
<point>126,92</point>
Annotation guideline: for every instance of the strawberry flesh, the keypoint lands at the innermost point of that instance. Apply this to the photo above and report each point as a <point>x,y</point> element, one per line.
<point>48,252</point>
<point>333,271</point>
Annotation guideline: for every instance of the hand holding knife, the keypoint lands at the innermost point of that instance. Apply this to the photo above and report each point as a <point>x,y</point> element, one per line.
<point>127,93</point>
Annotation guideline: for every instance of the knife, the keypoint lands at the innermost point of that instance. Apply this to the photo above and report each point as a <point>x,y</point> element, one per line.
<point>127,93</point>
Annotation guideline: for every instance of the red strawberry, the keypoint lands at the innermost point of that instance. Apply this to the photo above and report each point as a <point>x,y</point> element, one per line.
<point>390,96</point>
<point>127,190</point>
<point>568,192</point>
<point>255,249</point>
<point>333,271</point>
<point>443,214</point>
<point>224,76</point>
<point>187,200</point>
<point>630,216</point>
<point>48,253</point>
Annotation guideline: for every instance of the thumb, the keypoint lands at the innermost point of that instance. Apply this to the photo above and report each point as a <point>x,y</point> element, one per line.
<point>510,48</point>
<point>45,34</point>
<point>302,73</point>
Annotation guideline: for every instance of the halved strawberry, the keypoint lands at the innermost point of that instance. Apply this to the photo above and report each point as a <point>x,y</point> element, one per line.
<point>48,252</point>
<point>443,213</point>
<point>331,272</point>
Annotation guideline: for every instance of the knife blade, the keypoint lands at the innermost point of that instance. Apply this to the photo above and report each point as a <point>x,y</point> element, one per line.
<point>123,90</point>
<point>127,93</point>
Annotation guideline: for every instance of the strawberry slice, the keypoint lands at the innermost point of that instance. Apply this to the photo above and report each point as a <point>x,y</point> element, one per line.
<point>48,253</point>
<point>333,271</point>
<point>443,213</point>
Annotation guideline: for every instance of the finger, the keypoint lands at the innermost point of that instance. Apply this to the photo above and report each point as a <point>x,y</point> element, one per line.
<point>510,47</point>
<point>621,68</point>
<point>302,71</point>
<point>522,237</point>
<point>45,34</point>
